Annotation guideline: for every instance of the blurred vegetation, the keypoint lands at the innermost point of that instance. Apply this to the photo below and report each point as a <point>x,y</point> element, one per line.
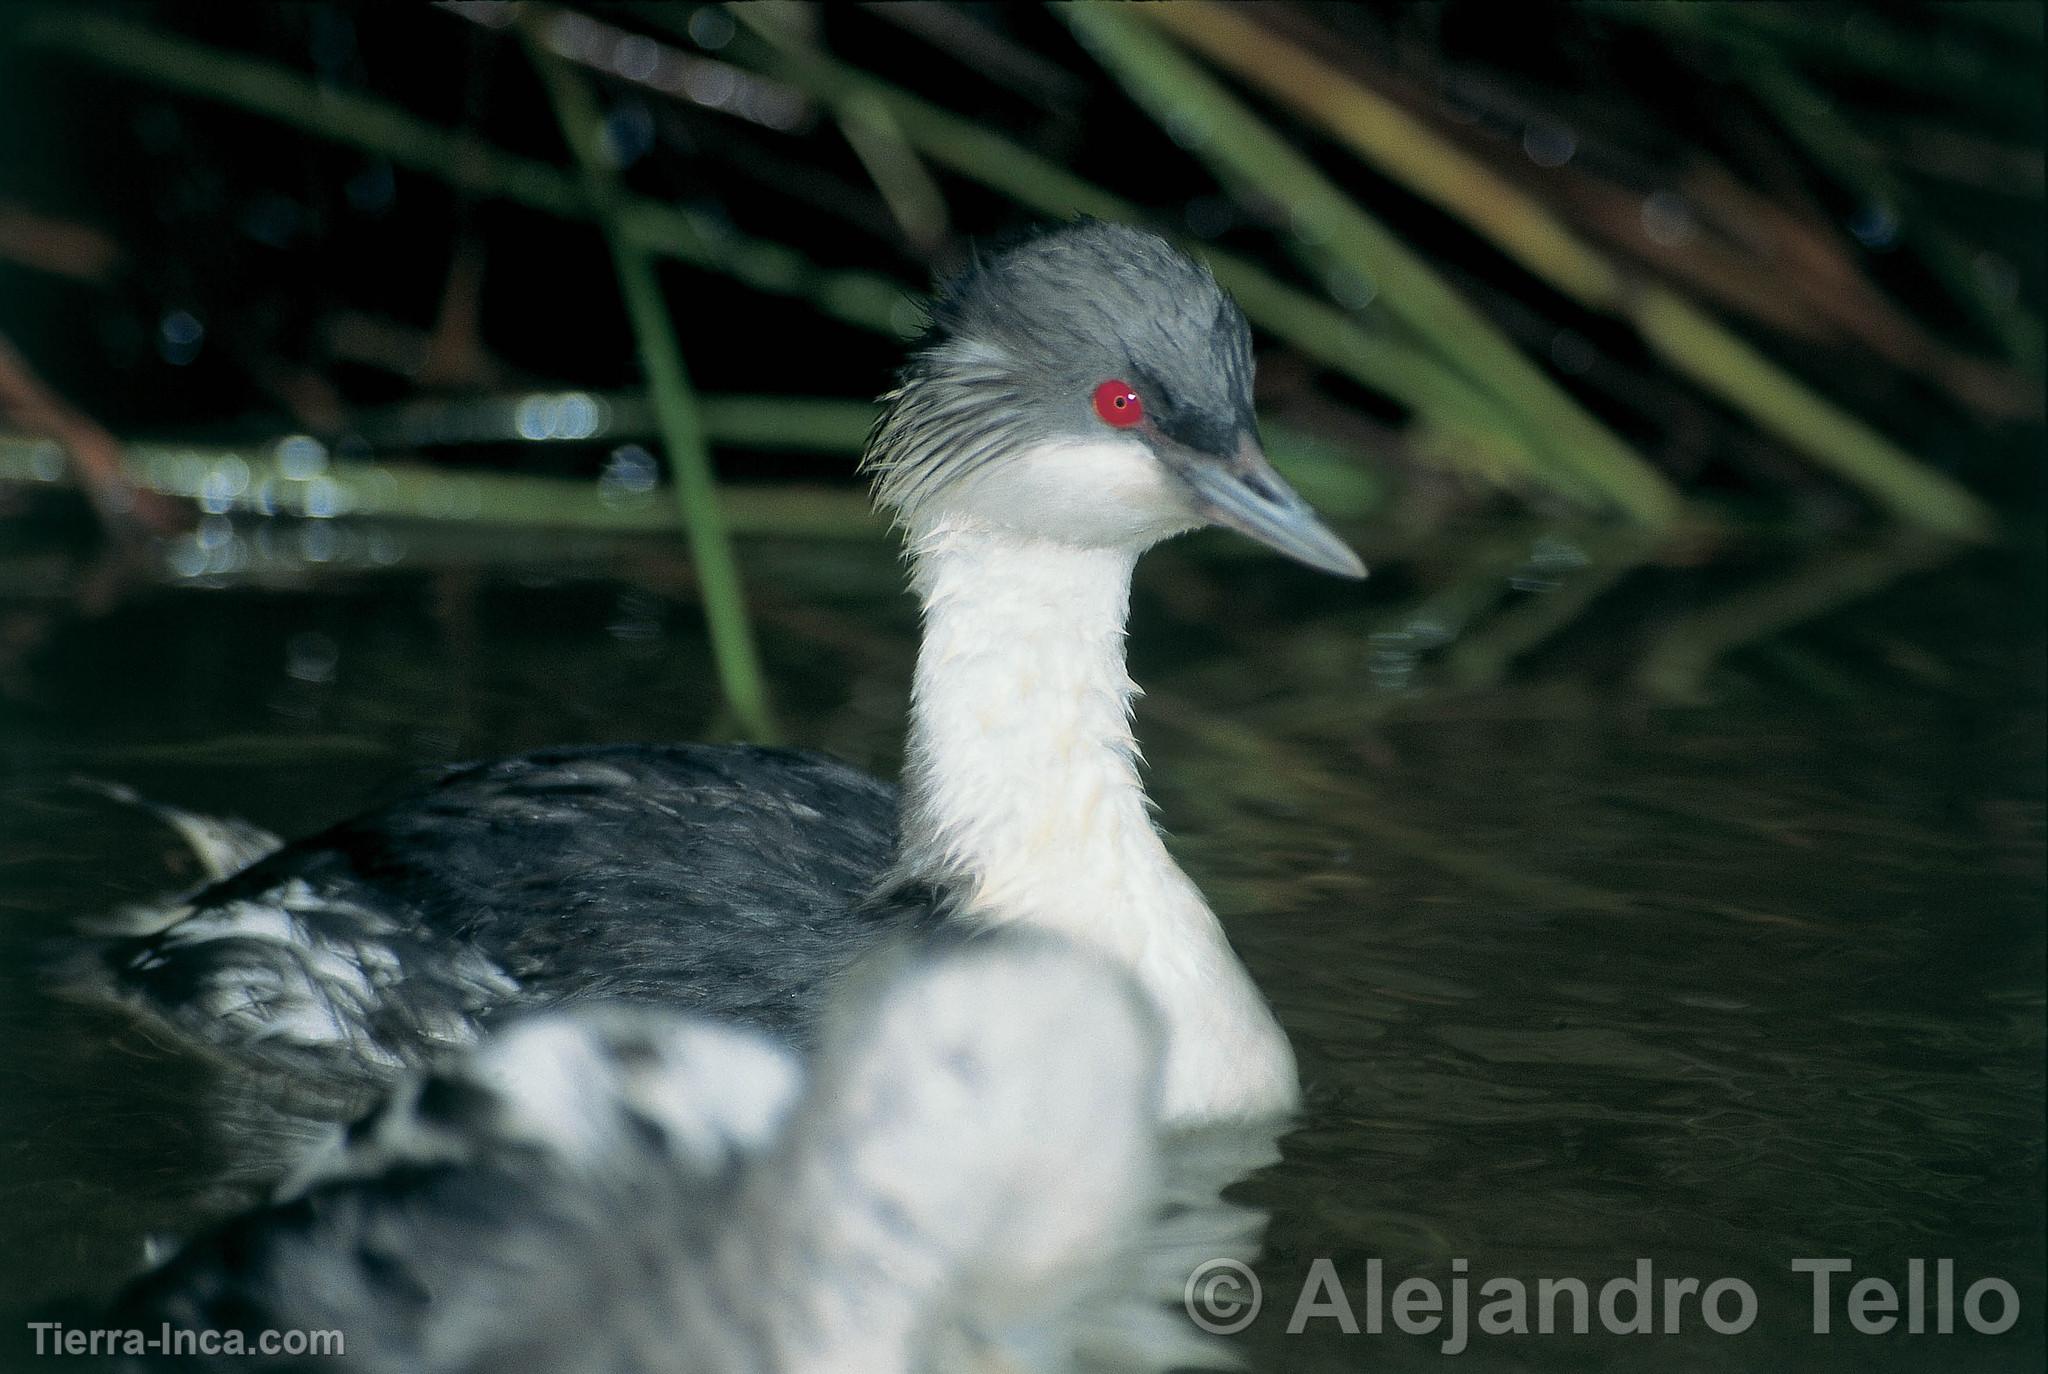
<point>1640,284</point>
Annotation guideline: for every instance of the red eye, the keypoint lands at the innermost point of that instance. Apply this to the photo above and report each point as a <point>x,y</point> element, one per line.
<point>1118,405</point>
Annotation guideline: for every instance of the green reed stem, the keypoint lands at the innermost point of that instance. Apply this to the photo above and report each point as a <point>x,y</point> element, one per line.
<point>864,299</point>
<point>694,487</point>
<point>1584,456</point>
<point>1453,407</point>
<point>1333,337</point>
<point>1687,338</point>
<point>250,479</point>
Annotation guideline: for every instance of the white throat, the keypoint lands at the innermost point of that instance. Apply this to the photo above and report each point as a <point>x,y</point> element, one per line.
<point>1021,788</point>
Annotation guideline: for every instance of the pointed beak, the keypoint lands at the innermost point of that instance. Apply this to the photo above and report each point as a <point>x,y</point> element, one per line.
<point>1242,492</point>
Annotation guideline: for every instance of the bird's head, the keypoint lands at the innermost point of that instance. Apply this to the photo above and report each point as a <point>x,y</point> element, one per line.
<point>1092,385</point>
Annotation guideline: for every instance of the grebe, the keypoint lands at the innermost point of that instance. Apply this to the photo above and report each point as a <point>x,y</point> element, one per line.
<point>1080,396</point>
<point>956,1183</point>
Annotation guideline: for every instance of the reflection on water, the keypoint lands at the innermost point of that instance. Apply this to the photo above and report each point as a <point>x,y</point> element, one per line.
<point>1573,982</point>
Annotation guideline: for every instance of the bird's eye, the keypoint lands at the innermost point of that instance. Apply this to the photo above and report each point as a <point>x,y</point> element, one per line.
<point>1118,404</point>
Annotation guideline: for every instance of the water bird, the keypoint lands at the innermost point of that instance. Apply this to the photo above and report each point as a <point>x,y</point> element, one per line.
<point>1080,396</point>
<point>955,1182</point>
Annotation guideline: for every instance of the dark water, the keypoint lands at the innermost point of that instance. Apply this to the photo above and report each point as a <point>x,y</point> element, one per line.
<point>1575,981</point>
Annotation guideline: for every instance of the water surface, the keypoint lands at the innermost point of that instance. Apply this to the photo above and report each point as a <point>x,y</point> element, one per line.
<point>1575,980</point>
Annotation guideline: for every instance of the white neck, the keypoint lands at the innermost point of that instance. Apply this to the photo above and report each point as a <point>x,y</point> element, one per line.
<point>1021,788</point>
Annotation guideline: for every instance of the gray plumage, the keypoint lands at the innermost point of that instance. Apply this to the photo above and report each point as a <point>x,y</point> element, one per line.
<point>722,880</point>
<point>1019,340</point>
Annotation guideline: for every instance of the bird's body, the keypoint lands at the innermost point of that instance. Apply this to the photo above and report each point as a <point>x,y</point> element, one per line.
<point>960,1185</point>
<point>372,946</point>
<point>1083,396</point>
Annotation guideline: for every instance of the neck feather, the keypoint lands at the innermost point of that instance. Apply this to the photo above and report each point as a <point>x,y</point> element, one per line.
<point>1021,784</point>
<point>1021,793</point>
